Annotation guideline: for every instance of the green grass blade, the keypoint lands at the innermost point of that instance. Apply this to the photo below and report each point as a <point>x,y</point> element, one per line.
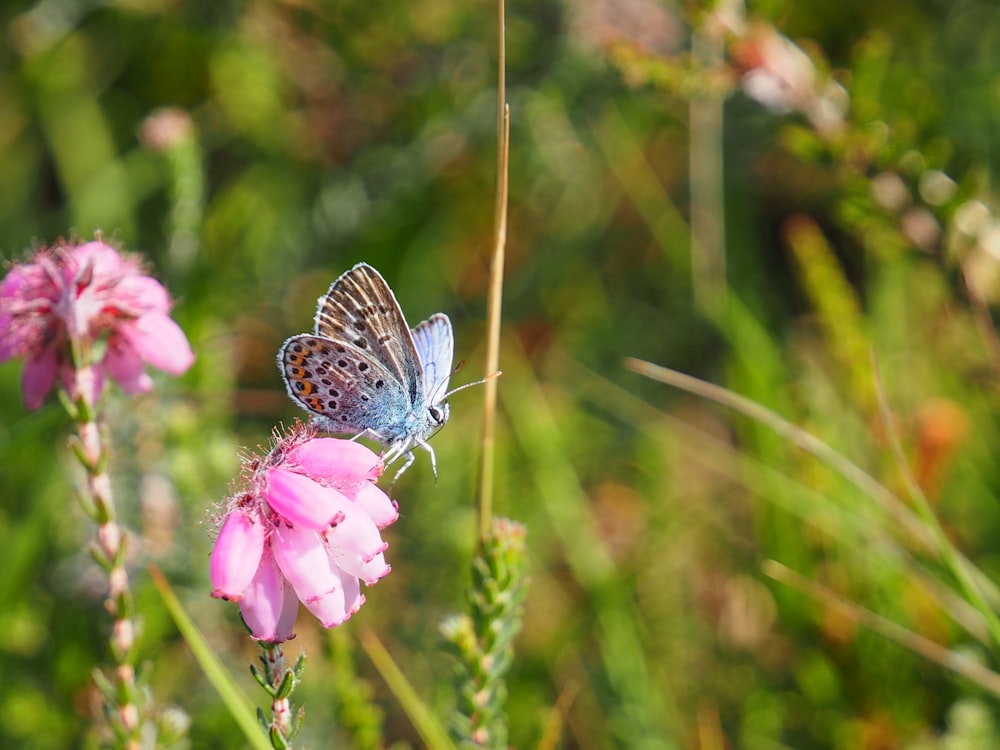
<point>430,729</point>
<point>240,707</point>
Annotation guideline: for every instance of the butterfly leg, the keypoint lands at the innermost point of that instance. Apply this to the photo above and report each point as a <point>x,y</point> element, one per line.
<point>410,458</point>
<point>398,451</point>
<point>434,463</point>
<point>427,447</point>
<point>394,451</point>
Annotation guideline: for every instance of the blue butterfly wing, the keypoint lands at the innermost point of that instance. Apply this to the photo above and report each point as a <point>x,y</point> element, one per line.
<point>435,344</point>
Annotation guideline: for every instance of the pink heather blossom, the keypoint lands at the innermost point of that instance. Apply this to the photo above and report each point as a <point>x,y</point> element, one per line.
<point>777,73</point>
<point>304,527</point>
<point>64,300</point>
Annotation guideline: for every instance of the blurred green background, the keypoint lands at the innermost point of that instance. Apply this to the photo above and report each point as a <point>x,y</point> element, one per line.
<point>834,162</point>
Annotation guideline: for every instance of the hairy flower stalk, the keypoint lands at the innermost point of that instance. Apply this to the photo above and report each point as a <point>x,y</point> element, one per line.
<point>483,639</point>
<point>78,315</point>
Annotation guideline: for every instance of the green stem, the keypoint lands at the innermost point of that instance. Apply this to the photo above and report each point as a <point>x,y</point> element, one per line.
<point>279,681</point>
<point>123,701</point>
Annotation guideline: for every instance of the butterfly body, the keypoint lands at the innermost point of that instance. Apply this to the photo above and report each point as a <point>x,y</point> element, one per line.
<point>364,372</point>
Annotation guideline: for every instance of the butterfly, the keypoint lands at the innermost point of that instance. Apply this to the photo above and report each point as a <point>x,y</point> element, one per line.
<point>363,372</point>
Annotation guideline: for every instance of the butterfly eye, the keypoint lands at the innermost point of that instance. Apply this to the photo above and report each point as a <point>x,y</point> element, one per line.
<point>438,414</point>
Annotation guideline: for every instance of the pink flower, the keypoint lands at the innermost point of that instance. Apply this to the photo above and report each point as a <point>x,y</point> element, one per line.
<point>777,73</point>
<point>305,527</point>
<point>64,300</point>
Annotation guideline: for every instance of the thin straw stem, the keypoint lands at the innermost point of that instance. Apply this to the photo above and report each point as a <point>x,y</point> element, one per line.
<point>495,295</point>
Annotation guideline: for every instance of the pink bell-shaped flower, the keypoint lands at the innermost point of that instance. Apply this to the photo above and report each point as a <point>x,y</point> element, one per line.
<point>304,528</point>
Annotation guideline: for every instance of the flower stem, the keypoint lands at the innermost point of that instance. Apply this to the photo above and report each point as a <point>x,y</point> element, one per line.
<point>495,296</point>
<point>121,694</point>
<point>279,681</point>
<point>280,709</point>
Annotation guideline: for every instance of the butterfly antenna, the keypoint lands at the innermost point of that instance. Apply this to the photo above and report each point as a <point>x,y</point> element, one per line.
<point>496,374</point>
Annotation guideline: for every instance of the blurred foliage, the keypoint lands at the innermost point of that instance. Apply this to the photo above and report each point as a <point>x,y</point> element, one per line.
<point>855,206</point>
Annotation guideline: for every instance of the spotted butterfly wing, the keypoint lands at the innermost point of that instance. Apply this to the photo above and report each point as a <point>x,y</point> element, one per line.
<point>343,386</point>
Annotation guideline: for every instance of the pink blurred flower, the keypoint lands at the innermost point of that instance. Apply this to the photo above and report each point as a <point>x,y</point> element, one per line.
<point>166,128</point>
<point>304,527</point>
<point>56,306</point>
<point>777,73</point>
